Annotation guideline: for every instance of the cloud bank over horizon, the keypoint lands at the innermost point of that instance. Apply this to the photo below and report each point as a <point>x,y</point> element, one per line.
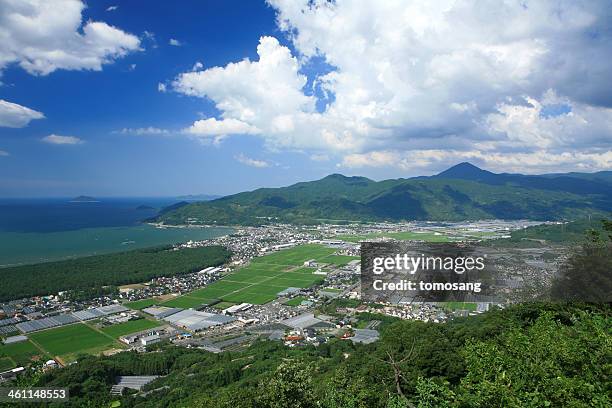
<point>513,86</point>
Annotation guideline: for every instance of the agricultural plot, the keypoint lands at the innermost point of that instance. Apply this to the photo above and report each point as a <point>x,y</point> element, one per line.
<point>250,297</point>
<point>6,364</point>
<point>296,255</point>
<point>186,302</point>
<point>259,282</point>
<point>402,236</point>
<point>419,236</point>
<point>141,304</point>
<point>133,326</point>
<point>223,305</point>
<point>19,354</point>
<point>71,339</point>
<point>296,301</point>
<point>339,260</point>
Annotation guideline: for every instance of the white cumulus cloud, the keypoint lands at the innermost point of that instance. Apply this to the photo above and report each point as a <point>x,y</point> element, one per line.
<point>150,130</point>
<point>224,127</point>
<point>16,116</point>
<point>42,36</point>
<point>174,42</point>
<point>3,153</point>
<point>61,140</point>
<point>251,162</point>
<point>438,81</point>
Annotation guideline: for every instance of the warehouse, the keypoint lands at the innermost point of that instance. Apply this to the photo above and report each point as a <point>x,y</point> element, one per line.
<point>193,320</point>
<point>306,320</point>
<point>365,336</point>
<point>160,312</point>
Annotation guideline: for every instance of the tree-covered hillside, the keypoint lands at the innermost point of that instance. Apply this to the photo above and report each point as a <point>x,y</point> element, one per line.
<point>535,355</point>
<point>460,193</point>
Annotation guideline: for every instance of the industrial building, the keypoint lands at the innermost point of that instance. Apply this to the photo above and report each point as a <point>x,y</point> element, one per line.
<point>194,320</point>
<point>160,312</point>
<point>237,308</point>
<point>365,336</point>
<point>305,321</point>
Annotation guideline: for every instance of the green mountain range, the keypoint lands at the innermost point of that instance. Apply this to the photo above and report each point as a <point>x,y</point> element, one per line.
<point>462,192</point>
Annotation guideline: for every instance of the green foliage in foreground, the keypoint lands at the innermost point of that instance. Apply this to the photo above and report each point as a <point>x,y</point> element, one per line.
<point>532,355</point>
<point>109,269</point>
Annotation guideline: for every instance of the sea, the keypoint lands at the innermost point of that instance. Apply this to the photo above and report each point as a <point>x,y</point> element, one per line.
<point>42,230</point>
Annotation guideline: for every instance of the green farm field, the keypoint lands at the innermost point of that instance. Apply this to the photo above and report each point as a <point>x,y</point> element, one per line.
<point>19,353</point>
<point>141,304</point>
<point>6,364</point>
<point>71,339</point>
<point>132,326</point>
<point>402,236</point>
<point>186,302</point>
<point>295,256</point>
<point>223,305</point>
<point>296,301</point>
<point>459,306</point>
<point>338,260</point>
<point>259,282</point>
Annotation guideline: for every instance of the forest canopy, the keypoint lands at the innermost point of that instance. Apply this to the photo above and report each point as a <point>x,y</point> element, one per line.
<point>93,272</point>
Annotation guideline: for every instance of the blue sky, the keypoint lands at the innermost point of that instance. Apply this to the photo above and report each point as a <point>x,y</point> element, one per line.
<point>326,88</point>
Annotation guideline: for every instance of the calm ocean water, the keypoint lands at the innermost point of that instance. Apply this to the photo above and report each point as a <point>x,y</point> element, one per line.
<point>38,230</point>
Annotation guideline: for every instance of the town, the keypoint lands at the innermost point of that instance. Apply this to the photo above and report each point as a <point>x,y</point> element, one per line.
<point>296,284</point>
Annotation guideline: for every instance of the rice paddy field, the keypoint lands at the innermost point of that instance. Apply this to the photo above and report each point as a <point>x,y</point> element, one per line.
<point>259,282</point>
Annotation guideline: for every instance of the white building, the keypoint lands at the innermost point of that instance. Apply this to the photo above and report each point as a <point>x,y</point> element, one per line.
<point>148,340</point>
